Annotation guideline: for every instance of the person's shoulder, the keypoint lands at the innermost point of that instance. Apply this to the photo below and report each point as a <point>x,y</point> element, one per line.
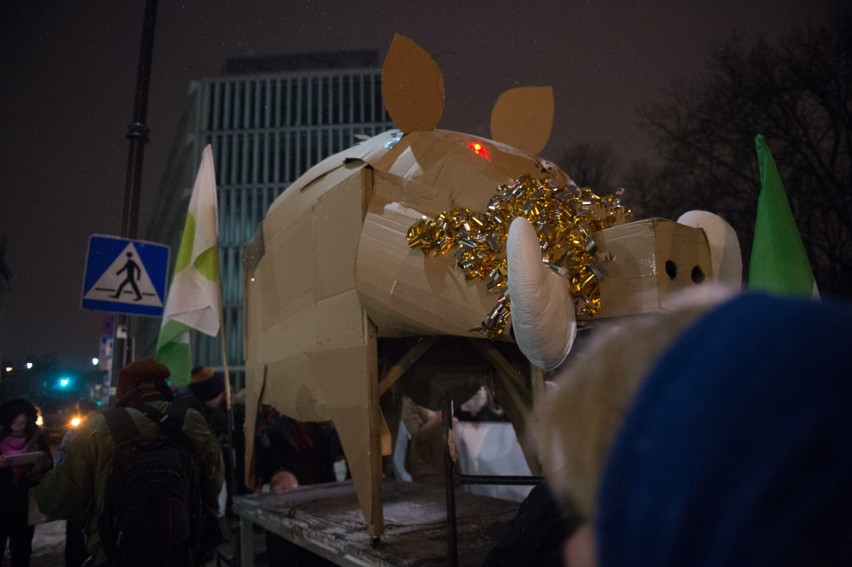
<point>193,413</point>
<point>177,407</point>
<point>93,434</point>
<point>99,426</point>
<point>146,425</point>
<point>95,422</point>
<point>193,418</point>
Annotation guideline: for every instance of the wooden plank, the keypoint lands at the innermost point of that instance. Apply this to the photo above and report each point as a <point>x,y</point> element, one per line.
<point>518,389</point>
<point>376,522</point>
<point>326,519</point>
<point>516,397</point>
<point>246,543</point>
<point>406,361</point>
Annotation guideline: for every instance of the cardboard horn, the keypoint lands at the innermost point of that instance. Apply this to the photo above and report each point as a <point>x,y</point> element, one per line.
<point>543,318</point>
<point>725,254</point>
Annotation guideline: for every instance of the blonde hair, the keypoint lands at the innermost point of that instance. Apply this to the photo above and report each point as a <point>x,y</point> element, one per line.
<point>576,423</point>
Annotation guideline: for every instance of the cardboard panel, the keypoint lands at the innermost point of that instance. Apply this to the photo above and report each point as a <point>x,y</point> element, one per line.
<point>314,358</point>
<point>324,375</point>
<point>291,269</point>
<point>523,118</point>
<point>463,172</point>
<point>688,250</point>
<point>406,293</point>
<point>637,280</point>
<point>337,217</point>
<point>630,285</point>
<point>436,171</point>
<point>412,86</point>
<point>289,394</point>
<point>371,149</point>
<point>362,436</point>
<point>360,456</point>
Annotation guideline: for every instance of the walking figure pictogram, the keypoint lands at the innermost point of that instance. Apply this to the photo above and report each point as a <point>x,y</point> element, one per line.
<point>133,274</point>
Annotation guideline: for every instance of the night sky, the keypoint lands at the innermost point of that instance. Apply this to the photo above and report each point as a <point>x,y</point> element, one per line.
<point>68,77</point>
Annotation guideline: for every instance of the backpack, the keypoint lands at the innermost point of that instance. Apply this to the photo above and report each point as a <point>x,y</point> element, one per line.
<point>152,506</point>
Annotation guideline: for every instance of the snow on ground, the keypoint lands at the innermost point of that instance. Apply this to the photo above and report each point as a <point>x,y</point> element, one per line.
<point>48,545</point>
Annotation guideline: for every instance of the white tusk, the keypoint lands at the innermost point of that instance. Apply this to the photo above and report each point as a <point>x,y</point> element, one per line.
<point>725,251</point>
<point>543,318</point>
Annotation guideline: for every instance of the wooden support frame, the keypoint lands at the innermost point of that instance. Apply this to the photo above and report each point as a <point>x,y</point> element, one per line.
<point>519,396</point>
<point>518,392</point>
<point>405,362</point>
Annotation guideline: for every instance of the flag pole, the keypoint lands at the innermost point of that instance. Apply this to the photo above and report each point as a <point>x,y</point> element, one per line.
<point>229,412</point>
<point>192,298</point>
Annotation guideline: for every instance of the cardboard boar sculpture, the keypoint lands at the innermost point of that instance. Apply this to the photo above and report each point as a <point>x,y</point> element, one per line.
<point>330,270</point>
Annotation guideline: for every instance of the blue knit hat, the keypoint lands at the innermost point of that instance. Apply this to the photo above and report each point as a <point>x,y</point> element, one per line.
<point>738,448</point>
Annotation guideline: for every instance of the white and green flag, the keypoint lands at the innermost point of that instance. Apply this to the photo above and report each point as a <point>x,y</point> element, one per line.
<point>194,299</point>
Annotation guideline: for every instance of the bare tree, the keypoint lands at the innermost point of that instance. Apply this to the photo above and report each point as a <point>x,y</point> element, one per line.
<point>798,94</point>
<point>592,166</point>
<point>597,167</point>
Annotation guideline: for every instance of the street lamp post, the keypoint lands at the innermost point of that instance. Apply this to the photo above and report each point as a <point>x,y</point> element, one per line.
<point>137,133</point>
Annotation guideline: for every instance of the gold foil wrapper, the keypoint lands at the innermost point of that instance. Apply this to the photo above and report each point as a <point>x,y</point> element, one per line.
<point>564,218</point>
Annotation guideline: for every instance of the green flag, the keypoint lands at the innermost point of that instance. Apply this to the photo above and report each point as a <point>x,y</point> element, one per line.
<point>194,300</point>
<point>779,263</point>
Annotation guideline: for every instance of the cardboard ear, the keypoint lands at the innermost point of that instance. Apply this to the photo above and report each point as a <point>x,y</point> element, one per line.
<point>523,118</point>
<point>412,86</point>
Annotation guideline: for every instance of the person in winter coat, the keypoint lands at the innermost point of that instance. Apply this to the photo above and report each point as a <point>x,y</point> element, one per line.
<point>83,408</point>
<point>19,436</point>
<point>77,486</point>
<point>715,436</point>
<point>205,393</point>
<point>75,532</point>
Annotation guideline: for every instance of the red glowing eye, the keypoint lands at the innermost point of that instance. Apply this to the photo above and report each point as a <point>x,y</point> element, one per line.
<point>479,150</point>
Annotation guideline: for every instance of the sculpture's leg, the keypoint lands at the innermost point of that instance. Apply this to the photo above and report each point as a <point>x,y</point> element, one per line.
<point>359,428</point>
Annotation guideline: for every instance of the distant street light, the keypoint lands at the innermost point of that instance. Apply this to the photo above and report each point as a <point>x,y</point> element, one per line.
<point>29,365</point>
<point>8,369</point>
<point>95,361</point>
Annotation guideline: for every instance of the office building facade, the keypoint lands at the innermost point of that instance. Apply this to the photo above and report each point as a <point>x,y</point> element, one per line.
<point>268,120</point>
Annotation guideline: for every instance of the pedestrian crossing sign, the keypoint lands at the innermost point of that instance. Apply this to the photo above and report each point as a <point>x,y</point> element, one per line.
<point>125,276</point>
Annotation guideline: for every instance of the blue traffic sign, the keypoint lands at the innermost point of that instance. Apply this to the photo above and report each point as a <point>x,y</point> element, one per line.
<point>125,276</point>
